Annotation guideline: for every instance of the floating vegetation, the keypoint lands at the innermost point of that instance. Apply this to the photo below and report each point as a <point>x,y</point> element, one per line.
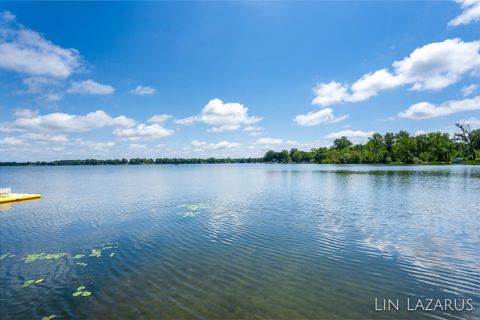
<point>28,283</point>
<point>82,264</point>
<point>7,255</point>
<point>188,214</point>
<point>96,253</point>
<point>49,317</point>
<point>193,209</point>
<point>81,292</point>
<point>194,206</point>
<point>78,256</point>
<point>43,256</point>
<point>112,254</point>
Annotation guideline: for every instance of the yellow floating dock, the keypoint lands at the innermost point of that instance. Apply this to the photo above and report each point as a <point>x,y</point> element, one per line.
<point>12,197</point>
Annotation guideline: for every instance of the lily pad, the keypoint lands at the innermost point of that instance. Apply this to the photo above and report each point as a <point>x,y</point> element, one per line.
<point>193,209</point>
<point>96,253</point>
<point>28,283</point>
<point>43,256</point>
<point>197,206</point>
<point>33,257</point>
<point>7,255</point>
<point>81,292</point>
<point>188,214</point>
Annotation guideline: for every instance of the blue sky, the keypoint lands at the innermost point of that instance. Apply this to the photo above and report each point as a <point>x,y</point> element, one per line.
<point>110,80</point>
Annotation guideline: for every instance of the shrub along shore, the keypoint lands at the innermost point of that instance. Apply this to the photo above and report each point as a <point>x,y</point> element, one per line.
<point>390,148</point>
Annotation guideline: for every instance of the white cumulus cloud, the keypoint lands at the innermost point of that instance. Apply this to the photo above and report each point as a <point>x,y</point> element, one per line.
<point>90,87</point>
<point>143,131</point>
<point>427,110</point>
<point>222,116</point>
<point>11,141</point>
<point>28,52</point>
<point>322,116</point>
<point>474,122</point>
<point>27,120</point>
<point>431,67</point>
<point>160,118</point>
<point>470,13</point>
<point>143,90</point>
<point>353,134</point>
<point>268,141</point>
<point>45,137</point>
<point>468,90</point>
<point>215,146</point>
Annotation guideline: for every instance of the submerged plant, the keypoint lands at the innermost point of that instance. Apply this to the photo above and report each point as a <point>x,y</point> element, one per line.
<point>7,255</point>
<point>188,214</point>
<point>193,209</point>
<point>43,256</point>
<point>82,264</point>
<point>96,253</point>
<point>78,256</point>
<point>49,317</point>
<point>81,292</point>
<point>28,283</point>
<point>112,254</point>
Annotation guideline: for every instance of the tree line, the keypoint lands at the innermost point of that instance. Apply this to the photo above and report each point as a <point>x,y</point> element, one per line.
<point>133,161</point>
<point>401,147</point>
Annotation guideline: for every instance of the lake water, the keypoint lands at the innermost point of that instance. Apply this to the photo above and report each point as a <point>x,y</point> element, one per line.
<point>240,241</point>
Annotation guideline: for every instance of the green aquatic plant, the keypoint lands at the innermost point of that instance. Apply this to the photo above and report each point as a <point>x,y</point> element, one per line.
<point>7,255</point>
<point>49,317</point>
<point>197,206</point>
<point>81,292</point>
<point>33,257</point>
<point>78,256</point>
<point>188,214</point>
<point>96,253</point>
<point>82,264</point>
<point>112,254</point>
<point>54,256</point>
<point>43,256</point>
<point>28,283</point>
<point>194,206</point>
<point>193,209</point>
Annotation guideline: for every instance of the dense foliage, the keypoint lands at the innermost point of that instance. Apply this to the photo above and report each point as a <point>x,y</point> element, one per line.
<point>134,161</point>
<point>401,147</point>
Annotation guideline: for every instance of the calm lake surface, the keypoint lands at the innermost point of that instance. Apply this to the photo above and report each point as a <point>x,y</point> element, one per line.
<point>240,241</point>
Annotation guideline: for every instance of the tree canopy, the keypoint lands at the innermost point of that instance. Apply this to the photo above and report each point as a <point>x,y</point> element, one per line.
<point>401,147</point>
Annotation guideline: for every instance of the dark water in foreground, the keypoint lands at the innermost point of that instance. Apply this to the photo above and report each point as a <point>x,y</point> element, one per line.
<point>240,241</point>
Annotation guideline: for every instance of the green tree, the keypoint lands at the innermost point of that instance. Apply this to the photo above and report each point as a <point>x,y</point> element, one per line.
<point>342,143</point>
<point>270,156</point>
<point>439,146</point>
<point>284,156</point>
<point>404,147</point>
<point>467,137</point>
<point>375,149</point>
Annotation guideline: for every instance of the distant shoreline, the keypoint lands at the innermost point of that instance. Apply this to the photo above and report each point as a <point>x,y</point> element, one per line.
<point>434,148</point>
<point>135,162</point>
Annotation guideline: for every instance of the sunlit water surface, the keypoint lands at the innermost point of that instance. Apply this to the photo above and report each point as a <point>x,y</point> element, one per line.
<point>262,241</point>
